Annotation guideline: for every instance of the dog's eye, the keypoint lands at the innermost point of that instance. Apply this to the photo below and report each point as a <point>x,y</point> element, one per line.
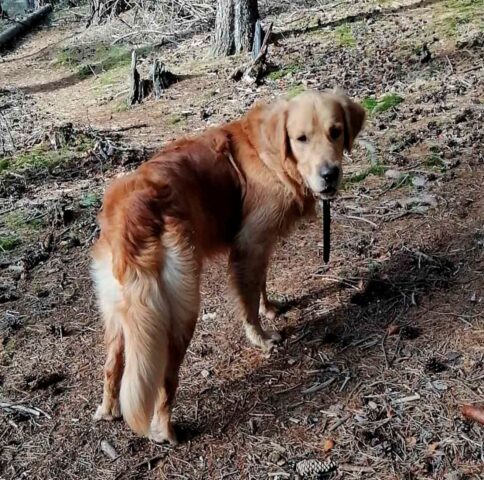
<point>302,138</point>
<point>335,132</point>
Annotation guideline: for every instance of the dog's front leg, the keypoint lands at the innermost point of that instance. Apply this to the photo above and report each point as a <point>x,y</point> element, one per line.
<point>247,268</point>
<point>268,308</point>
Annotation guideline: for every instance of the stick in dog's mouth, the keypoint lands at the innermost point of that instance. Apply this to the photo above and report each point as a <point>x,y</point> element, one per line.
<point>326,230</point>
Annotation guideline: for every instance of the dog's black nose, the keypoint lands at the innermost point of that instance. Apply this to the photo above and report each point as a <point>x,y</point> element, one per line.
<point>330,174</point>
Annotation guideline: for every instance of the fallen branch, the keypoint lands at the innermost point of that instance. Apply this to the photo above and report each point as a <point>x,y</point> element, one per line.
<point>23,26</point>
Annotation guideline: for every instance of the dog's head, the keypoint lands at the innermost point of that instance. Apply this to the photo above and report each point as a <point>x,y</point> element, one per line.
<point>311,132</point>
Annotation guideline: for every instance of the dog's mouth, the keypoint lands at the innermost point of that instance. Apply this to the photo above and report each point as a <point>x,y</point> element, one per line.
<point>327,194</point>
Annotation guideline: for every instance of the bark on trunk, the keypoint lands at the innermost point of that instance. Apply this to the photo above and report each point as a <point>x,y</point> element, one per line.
<point>234,26</point>
<point>246,14</point>
<point>224,29</point>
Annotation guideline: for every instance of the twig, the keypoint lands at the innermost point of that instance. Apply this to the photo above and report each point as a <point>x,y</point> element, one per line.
<point>149,462</point>
<point>20,408</point>
<point>410,398</point>
<point>355,468</point>
<point>387,365</point>
<point>318,386</point>
<point>123,129</point>
<point>338,424</point>
<point>361,219</point>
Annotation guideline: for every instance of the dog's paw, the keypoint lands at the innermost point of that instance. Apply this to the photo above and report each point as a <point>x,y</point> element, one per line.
<point>163,435</point>
<point>271,308</point>
<point>108,413</point>
<point>272,338</point>
<point>266,340</point>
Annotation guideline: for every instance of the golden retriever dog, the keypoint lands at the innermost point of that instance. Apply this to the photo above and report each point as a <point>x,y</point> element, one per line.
<point>236,188</point>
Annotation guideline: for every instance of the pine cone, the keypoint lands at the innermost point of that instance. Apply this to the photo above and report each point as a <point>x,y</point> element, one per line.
<point>432,365</point>
<point>314,469</point>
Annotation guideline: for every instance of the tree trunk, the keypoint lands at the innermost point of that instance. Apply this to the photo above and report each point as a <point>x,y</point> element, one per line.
<point>234,26</point>
<point>246,14</point>
<point>224,29</point>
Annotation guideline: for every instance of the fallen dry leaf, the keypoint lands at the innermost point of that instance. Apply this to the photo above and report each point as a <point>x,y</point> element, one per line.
<point>393,329</point>
<point>328,444</point>
<point>411,441</point>
<point>473,412</point>
<point>433,447</point>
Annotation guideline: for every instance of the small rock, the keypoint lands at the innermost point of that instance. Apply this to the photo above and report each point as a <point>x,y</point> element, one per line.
<point>419,181</point>
<point>209,316</point>
<point>275,457</point>
<point>205,373</point>
<point>454,476</point>
<point>438,385</point>
<point>393,174</point>
<point>372,405</point>
<point>109,450</point>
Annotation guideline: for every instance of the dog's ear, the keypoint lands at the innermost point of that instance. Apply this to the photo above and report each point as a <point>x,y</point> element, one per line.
<point>274,130</point>
<point>354,118</point>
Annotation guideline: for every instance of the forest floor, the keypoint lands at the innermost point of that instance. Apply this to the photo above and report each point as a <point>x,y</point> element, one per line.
<point>381,348</point>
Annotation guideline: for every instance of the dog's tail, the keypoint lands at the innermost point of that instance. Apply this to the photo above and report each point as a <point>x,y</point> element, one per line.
<point>145,324</point>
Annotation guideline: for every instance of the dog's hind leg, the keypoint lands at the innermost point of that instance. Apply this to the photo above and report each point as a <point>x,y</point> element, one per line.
<point>161,429</point>
<point>181,283</point>
<point>113,371</point>
<point>108,291</point>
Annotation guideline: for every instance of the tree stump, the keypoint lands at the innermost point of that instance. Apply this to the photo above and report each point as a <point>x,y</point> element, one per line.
<point>159,80</point>
<point>253,71</point>
<point>134,93</point>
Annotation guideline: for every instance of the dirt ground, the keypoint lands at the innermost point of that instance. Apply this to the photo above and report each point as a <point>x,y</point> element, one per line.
<point>381,348</point>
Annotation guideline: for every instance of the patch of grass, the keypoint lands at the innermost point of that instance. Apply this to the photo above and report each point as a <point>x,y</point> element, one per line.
<point>435,161</point>
<point>42,158</point>
<point>344,36</point>
<point>175,118</point>
<point>378,105</point>
<point>121,106</point>
<point>96,59</point>
<point>90,200</point>
<point>21,222</point>
<point>294,91</point>
<point>36,159</point>
<point>283,72</point>
<point>9,242</point>
<point>9,350</point>
<point>377,170</point>
<point>113,76</point>
<point>456,14</point>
